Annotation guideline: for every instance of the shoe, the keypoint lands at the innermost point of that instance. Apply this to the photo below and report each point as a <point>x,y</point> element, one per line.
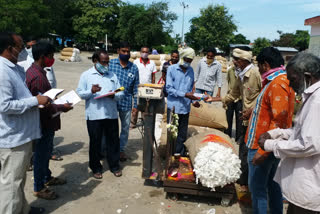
<point>55,181</point>
<point>97,175</point>
<point>46,194</point>
<point>36,210</point>
<point>123,157</point>
<point>118,173</point>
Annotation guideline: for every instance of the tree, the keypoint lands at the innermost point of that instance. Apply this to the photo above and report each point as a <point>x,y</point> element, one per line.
<point>96,18</point>
<point>302,38</point>
<point>24,17</point>
<point>145,26</point>
<point>239,39</point>
<point>285,40</point>
<point>259,44</point>
<point>299,40</point>
<point>213,28</point>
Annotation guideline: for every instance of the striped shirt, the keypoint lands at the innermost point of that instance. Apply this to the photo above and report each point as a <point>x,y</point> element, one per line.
<point>19,114</point>
<point>273,109</point>
<point>129,79</point>
<point>208,76</point>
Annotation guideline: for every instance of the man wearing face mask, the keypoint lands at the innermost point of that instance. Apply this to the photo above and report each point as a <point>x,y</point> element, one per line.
<point>128,76</point>
<point>208,74</point>
<point>147,70</point>
<point>179,85</point>
<point>38,83</point>
<point>273,109</point>
<point>101,114</point>
<point>20,125</point>
<point>298,148</point>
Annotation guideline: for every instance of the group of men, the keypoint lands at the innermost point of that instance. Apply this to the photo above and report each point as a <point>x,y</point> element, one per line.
<point>276,159</point>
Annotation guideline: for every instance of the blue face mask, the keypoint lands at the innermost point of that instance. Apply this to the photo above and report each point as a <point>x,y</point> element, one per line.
<point>124,57</point>
<point>102,69</point>
<point>186,64</point>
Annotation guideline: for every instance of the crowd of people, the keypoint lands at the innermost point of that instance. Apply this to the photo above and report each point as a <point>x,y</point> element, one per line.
<point>279,158</point>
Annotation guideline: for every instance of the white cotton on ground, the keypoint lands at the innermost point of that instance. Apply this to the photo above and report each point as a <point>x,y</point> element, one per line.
<point>216,165</point>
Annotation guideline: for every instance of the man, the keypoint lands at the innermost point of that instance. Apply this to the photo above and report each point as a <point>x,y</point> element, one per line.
<point>273,109</point>
<point>299,147</point>
<point>147,70</point>
<point>101,114</point>
<point>179,85</point>
<point>20,125</point>
<point>38,83</point>
<point>247,87</point>
<point>233,108</point>
<point>208,74</point>
<point>128,76</point>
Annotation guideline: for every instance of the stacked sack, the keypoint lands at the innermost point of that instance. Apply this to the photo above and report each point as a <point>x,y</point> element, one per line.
<point>159,60</point>
<point>223,62</point>
<point>70,55</point>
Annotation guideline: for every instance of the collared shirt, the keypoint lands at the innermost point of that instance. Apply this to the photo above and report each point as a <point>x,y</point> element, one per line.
<point>241,74</point>
<point>129,79</point>
<point>231,79</point>
<point>178,83</point>
<point>38,83</point>
<point>273,109</point>
<point>248,90</point>
<point>145,70</point>
<point>207,76</point>
<point>19,113</point>
<point>103,108</point>
<point>298,148</point>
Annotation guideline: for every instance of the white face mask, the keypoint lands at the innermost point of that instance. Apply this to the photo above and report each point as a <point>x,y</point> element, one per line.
<point>144,55</point>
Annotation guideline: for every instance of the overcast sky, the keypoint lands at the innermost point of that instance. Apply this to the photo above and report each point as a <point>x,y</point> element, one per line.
<point>254,18</point>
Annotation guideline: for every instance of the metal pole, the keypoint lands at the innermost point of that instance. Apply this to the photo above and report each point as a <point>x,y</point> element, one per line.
<point>183,7</point>
<point>106,42</point>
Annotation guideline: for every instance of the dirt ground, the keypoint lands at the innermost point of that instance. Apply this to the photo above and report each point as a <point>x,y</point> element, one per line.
<point>127,194</point>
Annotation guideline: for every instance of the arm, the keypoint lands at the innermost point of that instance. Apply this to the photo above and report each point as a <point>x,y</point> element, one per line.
<point>170,85</point>
<point>154,71</point>
<point>280,108</point>
<point>135,87</point>
<point>197,72</point>
<point>219,80</point>
<point>282,134</point>
<point>233,94</point>
<point>51,77</point>
<point>83,90</point>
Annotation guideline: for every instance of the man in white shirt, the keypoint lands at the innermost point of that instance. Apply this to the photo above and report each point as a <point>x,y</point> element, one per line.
<point>298,148</point>
<point>147,69</point>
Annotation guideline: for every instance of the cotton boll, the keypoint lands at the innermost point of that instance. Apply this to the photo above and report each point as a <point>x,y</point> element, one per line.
<point>216,165</point>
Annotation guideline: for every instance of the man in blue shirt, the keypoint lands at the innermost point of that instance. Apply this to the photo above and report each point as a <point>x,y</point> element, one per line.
<point>128,76</point>
<point>101,114</point>
<point>20,125</point>
<point>179,86</point>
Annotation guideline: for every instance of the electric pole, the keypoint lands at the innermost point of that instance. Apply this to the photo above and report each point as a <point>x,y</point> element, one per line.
<point>184,6</point>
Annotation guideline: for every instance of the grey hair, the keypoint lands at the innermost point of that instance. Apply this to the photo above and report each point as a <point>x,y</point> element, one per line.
<point>305,63</point>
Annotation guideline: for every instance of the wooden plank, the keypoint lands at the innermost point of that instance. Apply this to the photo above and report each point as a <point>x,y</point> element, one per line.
<point>197,192</point>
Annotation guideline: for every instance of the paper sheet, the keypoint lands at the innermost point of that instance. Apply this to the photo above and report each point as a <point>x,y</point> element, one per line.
<point>70,97</point>
<point>52,93</point>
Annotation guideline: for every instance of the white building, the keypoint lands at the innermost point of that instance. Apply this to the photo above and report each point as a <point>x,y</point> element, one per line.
<point>314,43</point>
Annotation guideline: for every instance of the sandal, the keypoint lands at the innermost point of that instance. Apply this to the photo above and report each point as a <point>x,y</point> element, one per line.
<point>118,173</point>
<point>56,158</point>
<point>97,175</point>
<point>56,181</point>
<point>45,193</point>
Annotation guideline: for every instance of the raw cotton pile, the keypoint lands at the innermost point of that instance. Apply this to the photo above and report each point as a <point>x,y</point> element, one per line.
<point>216,166</point>
<point>223,62</point>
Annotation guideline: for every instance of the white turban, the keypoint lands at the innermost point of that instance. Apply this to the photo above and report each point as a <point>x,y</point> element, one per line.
<point>241,54</point>
<point>188,53</point>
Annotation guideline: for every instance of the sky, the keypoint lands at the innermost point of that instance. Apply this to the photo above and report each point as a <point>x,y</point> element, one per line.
<point>254,18</point>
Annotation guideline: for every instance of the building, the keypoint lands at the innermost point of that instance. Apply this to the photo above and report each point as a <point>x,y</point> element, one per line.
<point>314,43</point>
<point>287,52</point>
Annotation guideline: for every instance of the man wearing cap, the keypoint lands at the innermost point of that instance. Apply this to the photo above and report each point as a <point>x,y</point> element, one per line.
<point>247,86</point>
<point>179,85</point>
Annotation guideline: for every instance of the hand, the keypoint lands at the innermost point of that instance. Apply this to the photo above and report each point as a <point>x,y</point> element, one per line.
<point>262,139</point>
<point>191,96</point>
<point>258,159</point>
<point>196,104</point>
<point>43,100</point>
<point>134,110</point>
<point>218,95</point>
<point>212,99</point>
<point>246,114</point>
<point>95,88</point>
<point>67,107</point>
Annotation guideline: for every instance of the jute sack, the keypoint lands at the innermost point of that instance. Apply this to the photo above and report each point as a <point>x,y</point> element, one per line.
<point>154,57</point>
<point>208,115</point>
<point>65,58</point>
<point>65,53</point>
<point>157,62</point>
<point>158,68</point>
<point>67,49</point>
<point>201,137</point>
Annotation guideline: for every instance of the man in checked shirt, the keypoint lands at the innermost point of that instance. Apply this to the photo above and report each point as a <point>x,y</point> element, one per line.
<point>128,76</point>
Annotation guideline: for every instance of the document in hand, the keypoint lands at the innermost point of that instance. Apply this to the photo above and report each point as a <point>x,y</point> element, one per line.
<point>200,96</point>
<point>110,93</point>
<point>70,97</point>
<point>52,93</point>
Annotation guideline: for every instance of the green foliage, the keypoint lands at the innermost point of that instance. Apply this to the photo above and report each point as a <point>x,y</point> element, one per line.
<point>145,26</point>
<point>96,18</point>
<point>25,17</point>
<point>213,28</point>
<point>239,39</point>
<point>259,44</point>
<point>299,40</point>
